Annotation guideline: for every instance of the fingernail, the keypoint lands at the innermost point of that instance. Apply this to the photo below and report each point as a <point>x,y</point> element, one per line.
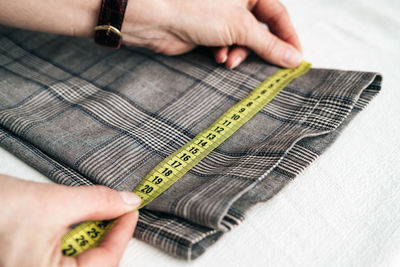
<point>223,58</point>
<point>236,62</point>
<point>292,57</point>
<point>130,198</point>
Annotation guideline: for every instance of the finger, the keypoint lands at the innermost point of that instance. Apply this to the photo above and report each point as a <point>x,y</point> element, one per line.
<point>275,15</point>
<point>75,204</point>
<point>236,56</point>
<point>268,46</point>
<point>110,250</point>
<point>221,54</point>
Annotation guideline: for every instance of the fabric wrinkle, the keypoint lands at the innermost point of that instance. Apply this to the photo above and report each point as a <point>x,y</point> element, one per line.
<point>84,115</point>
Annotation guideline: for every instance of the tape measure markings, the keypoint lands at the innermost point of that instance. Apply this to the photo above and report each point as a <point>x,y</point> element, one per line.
<point>173,167</point>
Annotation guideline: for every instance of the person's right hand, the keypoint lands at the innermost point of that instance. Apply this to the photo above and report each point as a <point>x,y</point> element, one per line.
<point>233,27</point>
<point>34,217</point>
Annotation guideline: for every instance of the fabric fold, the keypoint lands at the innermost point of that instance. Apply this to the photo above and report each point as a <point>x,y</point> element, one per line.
<point>83,115</point>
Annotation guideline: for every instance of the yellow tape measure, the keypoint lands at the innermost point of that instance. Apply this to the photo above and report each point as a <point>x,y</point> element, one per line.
<point>172,168</point>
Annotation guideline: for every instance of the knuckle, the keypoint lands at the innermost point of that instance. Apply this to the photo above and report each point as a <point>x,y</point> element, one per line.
<point>104,195</point>
<point>102,198</point>
<point>248,23</point>
<point>271,48</point>
<point>276,16</point>
<point>290,35</point>
<point>102,189</point>
<point>251,4</point>
<point>245,25</point>
<point>281,9</point>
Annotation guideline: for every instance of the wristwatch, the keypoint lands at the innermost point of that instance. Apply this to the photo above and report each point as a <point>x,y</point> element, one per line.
<point>108,30</point>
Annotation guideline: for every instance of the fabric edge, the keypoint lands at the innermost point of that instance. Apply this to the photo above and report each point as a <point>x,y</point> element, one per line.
<point>365,93</point>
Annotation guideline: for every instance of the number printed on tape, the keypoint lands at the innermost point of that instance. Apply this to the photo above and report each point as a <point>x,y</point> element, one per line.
<point>172,168</point>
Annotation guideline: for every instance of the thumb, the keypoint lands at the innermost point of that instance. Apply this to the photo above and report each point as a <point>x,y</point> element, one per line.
<point>77,204</point>
<point>269,47</point>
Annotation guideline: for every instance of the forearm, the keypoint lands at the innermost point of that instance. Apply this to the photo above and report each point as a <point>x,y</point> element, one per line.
<point>68,17</point>
<point>174,27</point>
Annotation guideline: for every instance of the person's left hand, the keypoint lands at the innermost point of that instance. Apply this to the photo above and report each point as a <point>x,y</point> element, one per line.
<point>35,216</point>
<point>232,27</point>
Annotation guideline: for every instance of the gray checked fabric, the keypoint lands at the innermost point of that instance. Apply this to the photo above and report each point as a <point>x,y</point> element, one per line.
<point>82,115</point>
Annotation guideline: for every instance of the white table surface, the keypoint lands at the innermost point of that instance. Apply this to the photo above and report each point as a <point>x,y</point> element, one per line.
<point>343,210</point>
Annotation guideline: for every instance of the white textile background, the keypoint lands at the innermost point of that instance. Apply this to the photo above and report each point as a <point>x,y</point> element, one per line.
<point>344,210</point>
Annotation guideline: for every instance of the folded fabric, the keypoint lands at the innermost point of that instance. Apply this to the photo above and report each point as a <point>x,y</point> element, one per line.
<point>84,115</point>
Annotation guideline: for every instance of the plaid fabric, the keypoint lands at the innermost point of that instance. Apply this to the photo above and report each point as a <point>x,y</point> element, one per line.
<point>83,115</point>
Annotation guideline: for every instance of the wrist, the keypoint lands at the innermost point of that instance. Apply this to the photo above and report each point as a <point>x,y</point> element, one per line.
<point>85,18</point>
<point>145,21</point>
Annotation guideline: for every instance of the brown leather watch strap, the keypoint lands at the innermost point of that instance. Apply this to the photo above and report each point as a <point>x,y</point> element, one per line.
<point>111,16</point>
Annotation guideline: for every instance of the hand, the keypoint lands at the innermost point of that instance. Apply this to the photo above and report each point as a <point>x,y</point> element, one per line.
<point>35,216</point>
<point>171,27</point>
<point>174,27</point>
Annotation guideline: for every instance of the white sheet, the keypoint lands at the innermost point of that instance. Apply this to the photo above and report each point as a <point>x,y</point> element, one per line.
<point>344,210</point>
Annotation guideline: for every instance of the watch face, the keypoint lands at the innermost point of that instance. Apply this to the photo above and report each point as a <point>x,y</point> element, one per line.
<point>108,37</point>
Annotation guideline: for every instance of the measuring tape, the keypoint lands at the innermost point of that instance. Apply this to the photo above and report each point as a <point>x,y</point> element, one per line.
<point>172,168</point>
